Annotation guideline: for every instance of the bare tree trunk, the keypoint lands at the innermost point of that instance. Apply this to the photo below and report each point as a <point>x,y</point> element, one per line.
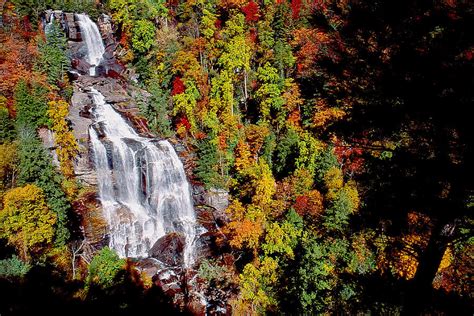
<point>245,86</point>
<point>75,249</point>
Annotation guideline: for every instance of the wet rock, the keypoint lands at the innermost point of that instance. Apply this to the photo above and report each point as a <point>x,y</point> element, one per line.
<point>113,74</point>
<point>114,92</point>
<point>205,217</point>
<point>170,281</point>
<point>169,249</point>
<point>204,245</point>
<point>73,75</point>
<point>125,216</point>
<point>110,68</point>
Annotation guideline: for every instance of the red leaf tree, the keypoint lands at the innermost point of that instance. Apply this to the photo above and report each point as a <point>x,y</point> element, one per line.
<point>178,86</point>
<point>251,11</point>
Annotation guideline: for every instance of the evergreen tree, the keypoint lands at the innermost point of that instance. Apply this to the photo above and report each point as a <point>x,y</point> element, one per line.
<point>7,130</point>
<point>52,59</point>
<point>35,167</point>
<point>207,164</point>
<point>31,105</point>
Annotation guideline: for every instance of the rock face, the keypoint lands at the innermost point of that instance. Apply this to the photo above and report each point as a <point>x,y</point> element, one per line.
<point>47,138</point>
<point>78,116</point>
<point>72,30</point>
<point>67,21</point>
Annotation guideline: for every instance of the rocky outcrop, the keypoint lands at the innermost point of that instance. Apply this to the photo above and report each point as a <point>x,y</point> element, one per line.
<point>72,29</point>
<point>109,66</point>
<point>93,224</point>
<point>79,115</point>
<point>67,21</point>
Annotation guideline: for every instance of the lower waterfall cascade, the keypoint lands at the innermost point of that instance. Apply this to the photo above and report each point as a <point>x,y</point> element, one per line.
<point>142,185</point>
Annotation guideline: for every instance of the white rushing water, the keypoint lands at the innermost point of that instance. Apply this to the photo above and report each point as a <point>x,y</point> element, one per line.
<point>93,40</point>
<point>49,25</point>
<point>142,185</point>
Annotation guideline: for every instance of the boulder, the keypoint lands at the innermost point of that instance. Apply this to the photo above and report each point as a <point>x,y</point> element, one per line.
<point>149,266</point>
<point>169,249</point>
<point>81,65</point>
<point>217,198</point>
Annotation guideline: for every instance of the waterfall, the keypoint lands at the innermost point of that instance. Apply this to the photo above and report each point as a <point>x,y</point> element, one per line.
<point>49,25</point>
<point>142,185</point>
<point>93,40</point>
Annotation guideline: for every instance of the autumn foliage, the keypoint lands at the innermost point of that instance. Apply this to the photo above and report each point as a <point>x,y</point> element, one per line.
<point>251,11</point>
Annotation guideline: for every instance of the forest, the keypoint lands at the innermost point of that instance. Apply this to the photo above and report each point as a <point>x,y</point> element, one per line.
<point>336,129</point>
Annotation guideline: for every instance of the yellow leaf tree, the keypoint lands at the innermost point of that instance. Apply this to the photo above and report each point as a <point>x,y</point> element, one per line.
<point>66,144</point>
<point>26,221</point>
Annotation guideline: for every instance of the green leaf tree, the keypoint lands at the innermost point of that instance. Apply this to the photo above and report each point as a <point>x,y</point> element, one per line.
<point>104,269</point>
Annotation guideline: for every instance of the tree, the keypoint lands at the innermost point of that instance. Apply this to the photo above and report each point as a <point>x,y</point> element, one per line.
<point>143,35</point>
<point>251,11</point>
<point>207,167</point>
<point>269,95</point>
<point>7,129</point>
<point>236,51</point>
<point>104,269</point>
<point>128,12</point>
<point>26,221</point>
<point>156,111</point>
<point>35,167</point>
<point>52,59</point>
<point>18,57</point>
<point>31,105</point>
<point>34,8</point>
<point>8,166</point>
<point>66,144</point>
<point>256,282</point>
<point>13,267</point>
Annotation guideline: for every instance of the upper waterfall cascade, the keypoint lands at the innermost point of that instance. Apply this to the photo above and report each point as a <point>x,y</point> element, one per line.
<point>141,181</point>
<point>93,40</point>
